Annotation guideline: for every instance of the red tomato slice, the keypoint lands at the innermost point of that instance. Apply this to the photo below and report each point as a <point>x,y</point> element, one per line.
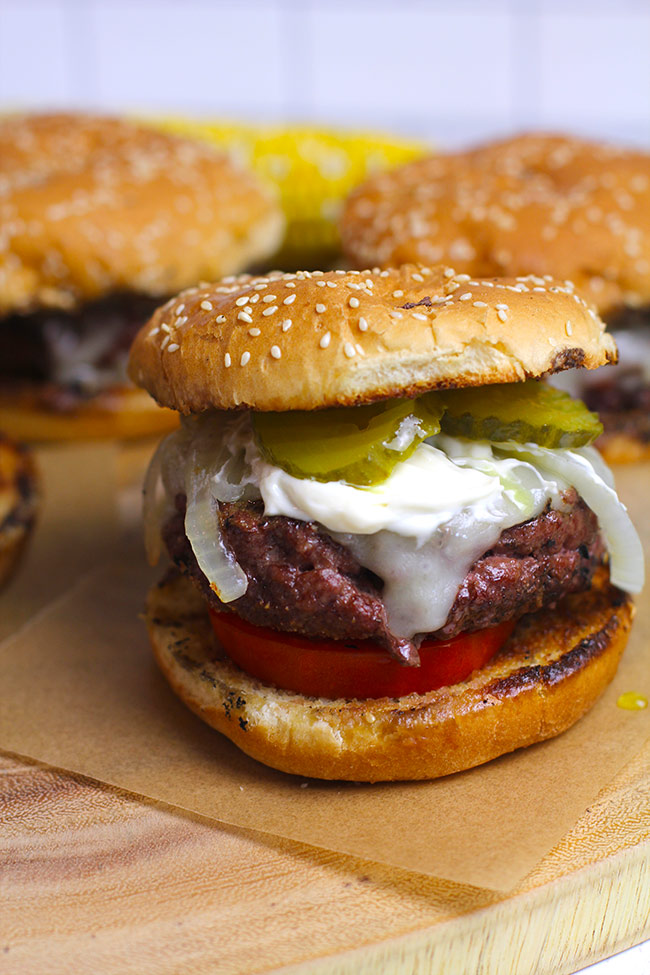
<point>331,668</point>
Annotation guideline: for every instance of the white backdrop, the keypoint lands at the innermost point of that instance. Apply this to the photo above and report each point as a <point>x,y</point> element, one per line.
<point>451,71</point>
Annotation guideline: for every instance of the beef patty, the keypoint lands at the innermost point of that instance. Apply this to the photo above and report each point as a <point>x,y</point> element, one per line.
<point>300,580</point>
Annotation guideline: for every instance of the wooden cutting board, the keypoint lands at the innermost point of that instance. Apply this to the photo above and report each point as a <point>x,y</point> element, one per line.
<point>92,880</point>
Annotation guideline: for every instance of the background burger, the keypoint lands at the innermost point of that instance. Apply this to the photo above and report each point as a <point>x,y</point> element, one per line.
<point>18,504</point>
<point>99,220</point>
<point>398,556</point>
<point>537,204</point>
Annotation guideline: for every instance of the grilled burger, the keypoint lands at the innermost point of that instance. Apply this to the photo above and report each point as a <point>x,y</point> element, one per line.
<point>542,204</point>
<point>100,220</point>
<point>396,555</point>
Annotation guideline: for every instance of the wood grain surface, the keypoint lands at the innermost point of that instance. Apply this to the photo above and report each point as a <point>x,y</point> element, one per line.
<point>95,881</point>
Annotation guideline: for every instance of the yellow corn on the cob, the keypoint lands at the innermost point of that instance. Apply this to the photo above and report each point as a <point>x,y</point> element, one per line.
<point>313,169</point>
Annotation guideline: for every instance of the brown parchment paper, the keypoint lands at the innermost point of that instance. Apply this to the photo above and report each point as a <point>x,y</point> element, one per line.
<point>76,528</point>
<point>79,690</point>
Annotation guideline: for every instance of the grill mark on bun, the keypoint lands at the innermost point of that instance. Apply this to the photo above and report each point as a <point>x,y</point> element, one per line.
<point>416,737</point>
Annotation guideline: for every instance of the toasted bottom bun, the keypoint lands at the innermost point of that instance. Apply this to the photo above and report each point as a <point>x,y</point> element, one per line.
<point>547,676</point>
<point>18,504</point>
<point>623,448</point>
<point>121,413</point>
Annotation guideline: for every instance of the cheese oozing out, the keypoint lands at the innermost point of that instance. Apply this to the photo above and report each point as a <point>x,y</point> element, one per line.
<point>420,531</point>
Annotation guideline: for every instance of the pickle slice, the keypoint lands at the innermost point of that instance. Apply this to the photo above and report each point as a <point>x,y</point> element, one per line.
<point>528,412</point>
<point>357,444</point>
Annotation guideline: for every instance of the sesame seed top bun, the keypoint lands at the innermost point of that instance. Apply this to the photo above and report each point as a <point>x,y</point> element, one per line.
<point>540,204</point>
<point>309,340</point>
<point>92,205</point>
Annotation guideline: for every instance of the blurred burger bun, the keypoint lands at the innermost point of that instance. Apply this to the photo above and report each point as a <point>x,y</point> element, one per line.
<point>94,207</point>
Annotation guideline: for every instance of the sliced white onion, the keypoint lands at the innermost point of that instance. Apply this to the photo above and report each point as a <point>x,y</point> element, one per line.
<point>216,470</point>
<point>219,566</point>
<point>582,470</point>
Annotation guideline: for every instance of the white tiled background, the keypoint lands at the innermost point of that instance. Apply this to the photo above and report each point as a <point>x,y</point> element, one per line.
<point>448,70</point>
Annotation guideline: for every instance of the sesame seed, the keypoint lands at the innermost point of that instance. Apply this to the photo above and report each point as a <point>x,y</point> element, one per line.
<point>206,305</point>
<point>466,297</point>
<point>165,327</point>
<point>501,305</point>
<point>363,325</point>
<point>291,284</point>
<point>269,298</point>
<point>289,300</point>
<point>349,350</point>
<point>479,304</point>
<point>245,359</point>
<point>332,284</point>
<point>502,315</point>
<point>286,324</point>
<point>353,302</point>
<point>227,361</point>
<point>449,272</point>
<point>154,331</point>
<point>321,284</point>
<point>359,349</point>
<point>254,332</point>
<point>165,342</point>
<point>172,347</point>
<point>398,294</point>
<point>253,299</point>
<point>569,328</point>
<point>275,351</point>
<point>419,316</point>
<point>325,340</point>
<point>417,277</point>
<point>245,317</point>
<point>179,308</point>
<point>221,319</point>
<point>270,311</point>
<point>396,314</point>
<point>462,277</point>
<point>320,309</point>
<point>242,301</point>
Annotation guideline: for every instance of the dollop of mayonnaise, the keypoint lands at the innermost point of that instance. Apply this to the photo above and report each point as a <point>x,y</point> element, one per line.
<point>422,493</point>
